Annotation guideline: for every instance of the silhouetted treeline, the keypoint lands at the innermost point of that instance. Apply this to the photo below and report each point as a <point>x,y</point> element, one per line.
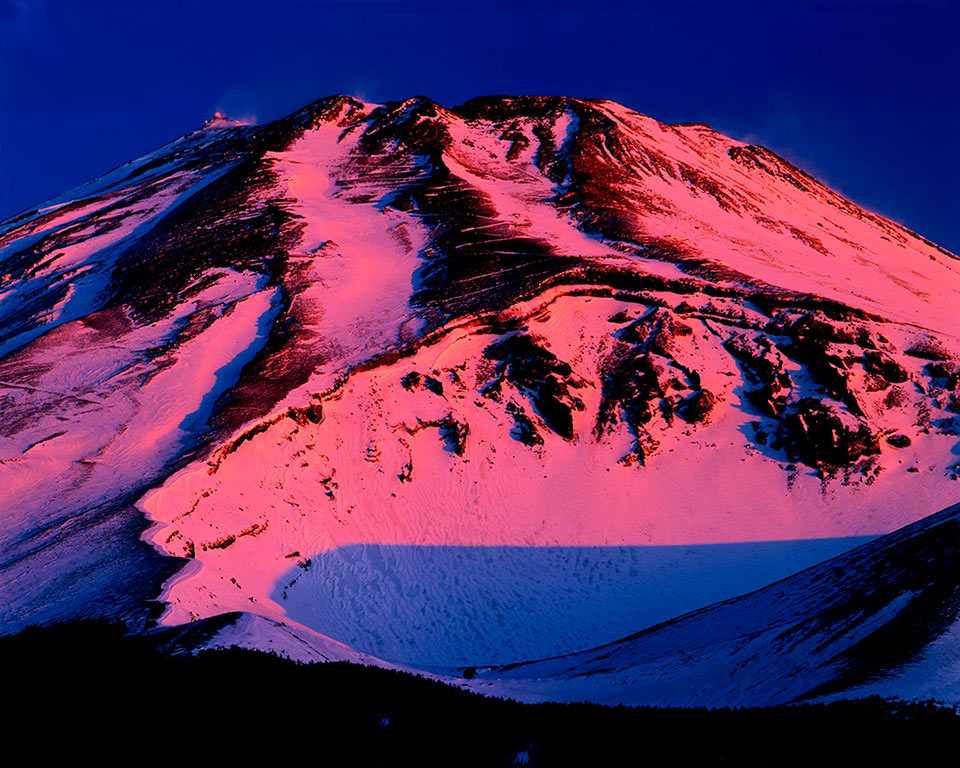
<point>84,689</point>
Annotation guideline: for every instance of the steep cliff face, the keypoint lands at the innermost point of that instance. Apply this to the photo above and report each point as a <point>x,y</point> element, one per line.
<point>315,350</point>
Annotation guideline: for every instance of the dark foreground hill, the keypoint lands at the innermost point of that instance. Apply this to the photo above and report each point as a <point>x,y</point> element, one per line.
<point>86,683</point>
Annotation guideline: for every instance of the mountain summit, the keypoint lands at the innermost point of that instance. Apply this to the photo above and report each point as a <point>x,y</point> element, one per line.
<point>460,389</point>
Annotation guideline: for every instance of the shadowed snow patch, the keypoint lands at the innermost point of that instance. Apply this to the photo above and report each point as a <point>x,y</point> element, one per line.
<point>437,606</point>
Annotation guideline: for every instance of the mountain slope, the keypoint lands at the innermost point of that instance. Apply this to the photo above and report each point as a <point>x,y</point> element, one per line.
<point>860,620</point>
<point>369,367</point>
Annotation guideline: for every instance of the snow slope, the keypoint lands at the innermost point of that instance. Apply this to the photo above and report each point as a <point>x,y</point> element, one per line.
<point>854,622</point>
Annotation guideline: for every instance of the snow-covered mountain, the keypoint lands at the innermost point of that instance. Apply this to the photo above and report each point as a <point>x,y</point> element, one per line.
<point>465,388</point>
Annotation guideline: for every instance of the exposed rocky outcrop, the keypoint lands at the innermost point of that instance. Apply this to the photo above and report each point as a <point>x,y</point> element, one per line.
<point>820,433</point>
<point>645,385</point>
<point>536,372</point>
<point>769,382</point>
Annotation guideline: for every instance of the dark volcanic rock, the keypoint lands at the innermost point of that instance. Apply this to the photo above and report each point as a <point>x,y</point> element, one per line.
<point>536,371</point>
<point>454,433</point>
<point>415,379</point>
<point>948,374</point>
<point>811,342</point>
<point>928,348</point>
<point>698,406</point>
<point>819,433</point>
<point>524,429</point>
<point>883,365</point>
<point>765,368</point>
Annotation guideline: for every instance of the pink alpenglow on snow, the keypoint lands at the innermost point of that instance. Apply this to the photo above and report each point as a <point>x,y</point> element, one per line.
<point>454,389</point>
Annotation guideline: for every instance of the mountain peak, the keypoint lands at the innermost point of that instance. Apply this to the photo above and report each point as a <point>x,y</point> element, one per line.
<point>529,339</point>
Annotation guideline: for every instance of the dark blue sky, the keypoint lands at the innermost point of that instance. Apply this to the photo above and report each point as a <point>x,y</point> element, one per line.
<point>862,94</point>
